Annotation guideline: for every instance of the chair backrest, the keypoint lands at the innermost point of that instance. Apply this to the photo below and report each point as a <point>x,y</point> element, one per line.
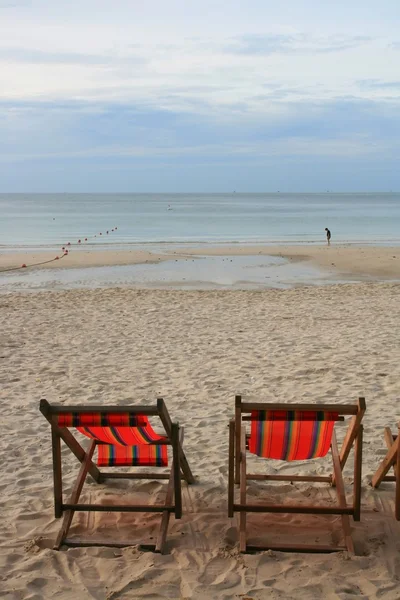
<point>123,434</point>
<point>291,435</point>
<point>123,429</point>
<point>291,431</point>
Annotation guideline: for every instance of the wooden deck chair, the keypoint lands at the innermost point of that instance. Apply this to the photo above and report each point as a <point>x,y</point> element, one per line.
<point>294,432</point>
<point>124,437</point>
<point>392,459</point>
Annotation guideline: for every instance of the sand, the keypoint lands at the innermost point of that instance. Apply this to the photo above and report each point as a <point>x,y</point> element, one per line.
<point>382,262</point>
<point>197,350</point>
<point>343,260</point>
<point>79,258</point>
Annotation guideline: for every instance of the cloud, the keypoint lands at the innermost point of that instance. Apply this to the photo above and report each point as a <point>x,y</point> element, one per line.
<point>374,84</point>
<point>13,3</point>
<point>296,43</point>
<point>147,83</point>
<point>45,131</point>
<point>33,55</point>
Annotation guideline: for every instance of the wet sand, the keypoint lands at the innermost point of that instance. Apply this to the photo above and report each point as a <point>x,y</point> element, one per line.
<point>380,262</point>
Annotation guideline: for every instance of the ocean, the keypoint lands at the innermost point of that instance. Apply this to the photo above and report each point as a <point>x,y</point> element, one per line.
<point>52,220</point>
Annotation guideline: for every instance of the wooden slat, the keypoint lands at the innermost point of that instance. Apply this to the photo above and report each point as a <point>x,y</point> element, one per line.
<point>243,487</point>
<point>352,432</point>
<point>163,413</point>
<point>386,464</point>
<point>94,543</point>
<point>258,477</point>
<point>341,409</point>
<point>389,478</point>
<point>68,439</point>
<point>357,474</point>
<point>60,409</point>
<point>177,472</point>
<point>76,491</point>
<point>119,507</point>
<point>110,475</point>
<point>231,468</point>
<point>293,508</point>
<point>238,429</point>
<point>76,449</point>
<point>313,549</point>
<point>341,494</point>
<point>389,439</point>
<point>162,534</point>
<point>167,423</point>
<point>57,473</point>
<point>388,436</point>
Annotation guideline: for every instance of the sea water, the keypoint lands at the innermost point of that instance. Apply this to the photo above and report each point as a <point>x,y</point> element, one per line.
<point>52,220</point>
<point>159,222</point>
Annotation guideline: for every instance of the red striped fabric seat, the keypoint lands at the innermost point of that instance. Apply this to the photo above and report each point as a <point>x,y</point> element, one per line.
<point>111,455</point>
<point>124,439</point>
<point>291,435</point>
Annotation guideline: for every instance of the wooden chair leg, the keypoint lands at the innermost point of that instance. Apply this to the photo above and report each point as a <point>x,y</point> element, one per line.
<point>176,469</point>
<point>243,486</point>
<point>166,421</point>
<point>390,440</point>
<point>386,464</point>
<point>231,469</point>
<point>351,435</point>
<point>357,474</point>
<point>162,535</point>
<point>76,491</point>
<point>341,494</point>
<point>57,473</point>
<point>186,471</point>
<point>238,429</point>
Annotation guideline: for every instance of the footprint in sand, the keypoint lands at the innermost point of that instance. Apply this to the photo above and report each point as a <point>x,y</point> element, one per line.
<point>219,572</point>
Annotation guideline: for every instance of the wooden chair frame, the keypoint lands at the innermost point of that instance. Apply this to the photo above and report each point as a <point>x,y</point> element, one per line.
<point>179,468</point>
<point>238,442</point>
<point>392,459</point>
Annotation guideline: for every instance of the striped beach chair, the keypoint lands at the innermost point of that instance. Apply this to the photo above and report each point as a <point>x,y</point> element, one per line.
<point>122,437</point>
<point>294,432</point>
<point>392,459</point>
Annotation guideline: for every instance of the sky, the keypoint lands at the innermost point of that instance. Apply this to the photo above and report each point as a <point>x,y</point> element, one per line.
<point>199,96</point>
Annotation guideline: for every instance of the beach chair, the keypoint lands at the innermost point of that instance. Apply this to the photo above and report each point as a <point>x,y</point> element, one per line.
<point>392,459</point>
<point>123,437</point>
<point>294,432</point>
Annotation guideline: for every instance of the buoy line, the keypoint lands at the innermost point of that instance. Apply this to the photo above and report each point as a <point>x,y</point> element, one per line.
<point>45,262</point>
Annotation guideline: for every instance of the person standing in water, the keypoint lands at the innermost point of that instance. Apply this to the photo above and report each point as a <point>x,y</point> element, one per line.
<point>328,236</point>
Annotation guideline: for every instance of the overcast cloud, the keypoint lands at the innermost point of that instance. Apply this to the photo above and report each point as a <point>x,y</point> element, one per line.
<point>199,96</point>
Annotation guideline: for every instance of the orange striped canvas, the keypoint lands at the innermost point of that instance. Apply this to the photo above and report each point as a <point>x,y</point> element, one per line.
<point>97,419</point>
<point>110,455</point>
<point>291,435</point>
<point>124,439</point>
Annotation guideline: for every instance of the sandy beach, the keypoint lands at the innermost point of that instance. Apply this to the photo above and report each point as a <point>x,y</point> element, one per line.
<point>381,262</point>
<point>197,350</point>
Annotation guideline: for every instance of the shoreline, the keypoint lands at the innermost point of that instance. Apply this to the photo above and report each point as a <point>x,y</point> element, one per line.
<point>381,262</point>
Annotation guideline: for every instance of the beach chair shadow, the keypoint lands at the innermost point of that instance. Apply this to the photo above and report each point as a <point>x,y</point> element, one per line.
<point>122,437</point>
<point>391,460</point>
<point>293,432</point>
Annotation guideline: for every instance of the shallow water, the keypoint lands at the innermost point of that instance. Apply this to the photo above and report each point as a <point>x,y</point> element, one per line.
<point>221,272</point>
